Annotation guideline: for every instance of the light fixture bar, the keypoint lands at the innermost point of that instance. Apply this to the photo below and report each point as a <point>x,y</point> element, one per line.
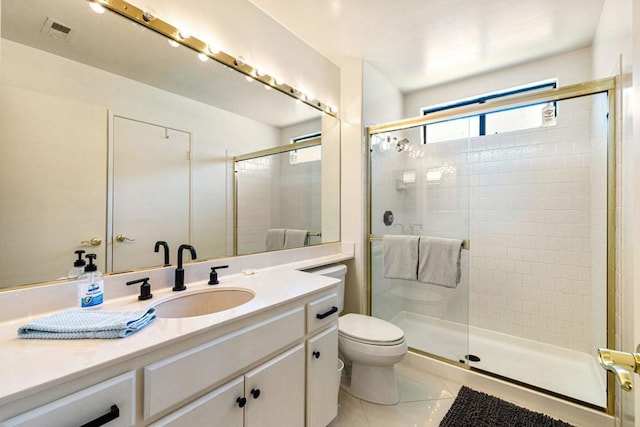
<point>139,16</point>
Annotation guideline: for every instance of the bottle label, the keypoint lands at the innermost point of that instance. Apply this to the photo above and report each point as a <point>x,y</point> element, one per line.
<point>549,115</point>
<point>91,294</point>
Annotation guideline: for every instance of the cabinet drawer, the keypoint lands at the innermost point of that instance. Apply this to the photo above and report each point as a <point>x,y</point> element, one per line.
<point>219,408</point>
<point>101,400</point>
<point>322,312</point>
<point>175,379</point>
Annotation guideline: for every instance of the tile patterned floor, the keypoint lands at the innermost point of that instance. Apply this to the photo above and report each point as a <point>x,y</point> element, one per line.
<point>424,400</point>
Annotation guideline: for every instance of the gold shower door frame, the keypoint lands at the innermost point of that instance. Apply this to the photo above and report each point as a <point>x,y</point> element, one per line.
<point>594,87</point>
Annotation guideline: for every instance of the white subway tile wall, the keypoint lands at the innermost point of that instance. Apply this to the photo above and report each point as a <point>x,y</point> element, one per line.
<point>272,193</point>
<point>532,203</point>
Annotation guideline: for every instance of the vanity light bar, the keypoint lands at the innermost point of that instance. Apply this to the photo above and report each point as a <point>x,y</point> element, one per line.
<point>133,13</point>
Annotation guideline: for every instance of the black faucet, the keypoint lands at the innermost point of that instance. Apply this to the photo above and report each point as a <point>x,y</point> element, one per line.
<point>179,283</point>
<point>165,245</point>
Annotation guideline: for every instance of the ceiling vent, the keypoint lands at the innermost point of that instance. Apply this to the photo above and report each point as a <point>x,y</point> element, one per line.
<point>57,31</point>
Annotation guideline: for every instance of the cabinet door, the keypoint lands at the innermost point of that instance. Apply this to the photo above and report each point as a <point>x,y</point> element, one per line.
<point>220,408</point>
<point>322,377</point>
<point>275,391</point>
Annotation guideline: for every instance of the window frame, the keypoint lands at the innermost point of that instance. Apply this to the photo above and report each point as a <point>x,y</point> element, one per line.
<point>482,118</point>
<point>303,138</point>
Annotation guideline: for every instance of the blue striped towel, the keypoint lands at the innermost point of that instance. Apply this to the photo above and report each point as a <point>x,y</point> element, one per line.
<point>79,324</point>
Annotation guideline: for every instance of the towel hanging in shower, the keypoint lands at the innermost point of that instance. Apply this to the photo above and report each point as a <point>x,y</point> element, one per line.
<point>439,261</point>
<point>400,257</point>
<point>295,238</point>
<point>275,239</point>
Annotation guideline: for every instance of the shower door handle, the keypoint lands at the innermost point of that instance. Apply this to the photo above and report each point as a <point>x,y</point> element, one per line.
<point>622,364</point>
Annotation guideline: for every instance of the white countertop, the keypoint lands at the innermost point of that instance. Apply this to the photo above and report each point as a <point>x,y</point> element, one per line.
<point>29,366</point>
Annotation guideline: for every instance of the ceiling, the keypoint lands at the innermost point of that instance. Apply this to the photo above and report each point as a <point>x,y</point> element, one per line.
<point>422,43</point>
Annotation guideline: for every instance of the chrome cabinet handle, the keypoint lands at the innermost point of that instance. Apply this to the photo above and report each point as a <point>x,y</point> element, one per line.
<point>121,238</point>
<point>94,241</point>
<point>622,364</point>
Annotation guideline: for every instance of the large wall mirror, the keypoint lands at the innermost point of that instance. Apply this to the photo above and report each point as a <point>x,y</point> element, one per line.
<point>111,140</point>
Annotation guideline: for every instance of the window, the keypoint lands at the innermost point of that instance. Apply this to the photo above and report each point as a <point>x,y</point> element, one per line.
<point>523,117</point>
<point>309,154</point>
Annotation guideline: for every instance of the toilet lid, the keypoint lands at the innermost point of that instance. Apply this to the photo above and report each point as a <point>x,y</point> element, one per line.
<point>369,329</point>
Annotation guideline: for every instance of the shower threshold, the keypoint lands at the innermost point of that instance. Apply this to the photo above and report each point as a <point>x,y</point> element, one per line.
<point>558,370</point>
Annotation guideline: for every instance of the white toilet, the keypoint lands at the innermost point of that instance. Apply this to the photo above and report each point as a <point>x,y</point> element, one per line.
<point>372,346</point>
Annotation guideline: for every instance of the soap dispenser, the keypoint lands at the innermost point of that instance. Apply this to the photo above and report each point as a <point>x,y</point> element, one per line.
<point>78,266</point>
<point>91,285</point>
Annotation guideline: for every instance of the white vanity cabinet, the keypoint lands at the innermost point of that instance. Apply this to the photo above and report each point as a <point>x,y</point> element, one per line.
<point>175,379</point>
<point>271,395</point>
<point>275,367</point>
<point>278,393</point>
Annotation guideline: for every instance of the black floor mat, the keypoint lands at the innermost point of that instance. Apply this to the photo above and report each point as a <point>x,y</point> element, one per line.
<point>476,409</point>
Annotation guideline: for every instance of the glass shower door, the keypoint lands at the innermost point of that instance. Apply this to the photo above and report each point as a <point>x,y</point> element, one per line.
<point>420,190</point>
<point>537,207</point>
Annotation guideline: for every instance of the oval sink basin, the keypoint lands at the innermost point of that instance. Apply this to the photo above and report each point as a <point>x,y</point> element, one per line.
<point>199,303</point>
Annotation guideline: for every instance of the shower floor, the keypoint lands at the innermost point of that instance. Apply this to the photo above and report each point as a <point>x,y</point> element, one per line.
<point>566,372</point>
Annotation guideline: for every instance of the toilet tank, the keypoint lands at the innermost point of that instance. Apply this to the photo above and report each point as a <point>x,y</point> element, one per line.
<point>336,271</point>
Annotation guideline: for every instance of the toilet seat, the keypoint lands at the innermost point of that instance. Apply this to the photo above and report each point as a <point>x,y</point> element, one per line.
<point>369,330</point>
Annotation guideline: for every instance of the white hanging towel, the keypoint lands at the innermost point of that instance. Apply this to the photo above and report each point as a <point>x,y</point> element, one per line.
<point>400,257</point>
<point>439,262</point>
<point>275,239</point>
<point>295,238</point>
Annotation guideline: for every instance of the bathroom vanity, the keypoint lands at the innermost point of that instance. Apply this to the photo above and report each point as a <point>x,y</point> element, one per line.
<point>271,361</point>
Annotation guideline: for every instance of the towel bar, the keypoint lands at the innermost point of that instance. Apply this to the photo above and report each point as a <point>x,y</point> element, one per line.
<point>466,244</point>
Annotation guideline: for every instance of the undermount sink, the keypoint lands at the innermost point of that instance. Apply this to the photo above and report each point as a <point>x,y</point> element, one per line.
<point>199,303</point>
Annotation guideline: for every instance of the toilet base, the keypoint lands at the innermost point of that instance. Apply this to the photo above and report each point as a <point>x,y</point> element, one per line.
<point>375,384</point>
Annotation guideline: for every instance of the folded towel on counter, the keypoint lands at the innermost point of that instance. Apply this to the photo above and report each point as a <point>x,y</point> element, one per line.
<point>295,238</point>
<point>79,324</point>
<point>275,239</point>
<point>400,256</point>
<point>439,262</point>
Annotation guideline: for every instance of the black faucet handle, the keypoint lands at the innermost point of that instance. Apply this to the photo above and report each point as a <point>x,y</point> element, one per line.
<point>145,288</point>
<point>213,276</point>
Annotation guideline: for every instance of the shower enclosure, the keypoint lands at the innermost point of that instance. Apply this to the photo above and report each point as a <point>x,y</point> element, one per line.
<point>535,208</point>
<point>276,189</point>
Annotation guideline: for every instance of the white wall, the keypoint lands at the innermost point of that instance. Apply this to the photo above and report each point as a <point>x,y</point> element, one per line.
<point>382,101</point>
<point>615,53</point>
<point>570,68</point>
<point>352,202</point>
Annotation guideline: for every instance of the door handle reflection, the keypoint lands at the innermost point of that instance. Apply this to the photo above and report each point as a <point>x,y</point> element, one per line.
<point>122,238</point>
<point>95,241</point>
